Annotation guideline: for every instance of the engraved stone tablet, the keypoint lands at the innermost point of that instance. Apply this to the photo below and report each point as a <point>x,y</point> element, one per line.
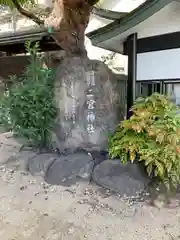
<point>88,100</point>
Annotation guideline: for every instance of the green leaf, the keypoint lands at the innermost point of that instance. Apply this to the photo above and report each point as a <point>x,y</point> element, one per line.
<point>153,135</point>
<point>29,106</point>
<point>10,3</point>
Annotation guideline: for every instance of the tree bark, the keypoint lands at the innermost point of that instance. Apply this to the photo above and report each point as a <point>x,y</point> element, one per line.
<point>68,21</point>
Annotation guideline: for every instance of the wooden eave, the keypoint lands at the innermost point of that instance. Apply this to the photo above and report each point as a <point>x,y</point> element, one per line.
<point>13,43</point>
<point>128,21</point>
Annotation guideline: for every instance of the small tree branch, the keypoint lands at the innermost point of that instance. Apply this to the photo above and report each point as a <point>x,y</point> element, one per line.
<point>27,13</point>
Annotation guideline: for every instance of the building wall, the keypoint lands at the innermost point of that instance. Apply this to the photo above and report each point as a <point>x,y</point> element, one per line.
<point>158,65</point>
<point>161,65</point>
<point>164,64</point>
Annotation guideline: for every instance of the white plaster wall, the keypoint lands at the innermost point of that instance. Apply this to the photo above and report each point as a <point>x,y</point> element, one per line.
<point>158,65</point>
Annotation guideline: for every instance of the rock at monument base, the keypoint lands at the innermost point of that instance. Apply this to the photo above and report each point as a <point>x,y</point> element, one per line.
<point>99,156</point>
<point>7,151</point>
<point>20,160</point>
<point>39,164</point>
<point>68,170</point>
<point>125,179</point>
<point>87,97</point>
<point>10,146</point>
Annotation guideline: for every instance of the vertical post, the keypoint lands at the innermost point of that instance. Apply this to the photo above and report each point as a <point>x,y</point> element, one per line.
<point>14,20</point>
<point>130,49</point>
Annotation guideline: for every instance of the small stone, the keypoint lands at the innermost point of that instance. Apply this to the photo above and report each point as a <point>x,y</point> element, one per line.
<point>81,201</point>
<point>71,230</point>
<point>53,189</point>
<point>24,173</point>
<point>44,185</point>
<point>32,181</point>
<point>46,214</point>
<point>23,188</point>
<point>73,210</point>
<point>30,202</point>
<point>36,194</point>
<point>46,198</point>
<point>72,191</point>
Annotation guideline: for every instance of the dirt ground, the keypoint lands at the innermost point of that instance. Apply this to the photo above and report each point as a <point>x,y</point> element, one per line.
<point>32,210</point>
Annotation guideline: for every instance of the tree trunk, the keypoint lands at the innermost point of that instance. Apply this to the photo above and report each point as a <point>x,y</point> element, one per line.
<point>68,22</point>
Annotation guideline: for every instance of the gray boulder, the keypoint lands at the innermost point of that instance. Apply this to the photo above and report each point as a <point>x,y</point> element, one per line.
<point>68,170</point>
<point>39,164</point>
<point>125,179</point>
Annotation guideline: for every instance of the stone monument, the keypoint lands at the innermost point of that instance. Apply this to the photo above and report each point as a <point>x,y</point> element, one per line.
<point>88,99</point>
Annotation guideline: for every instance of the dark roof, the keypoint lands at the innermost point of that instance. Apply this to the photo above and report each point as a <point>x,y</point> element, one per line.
<point>14,42</point>
<point>138,15</point>
<point>18,36</point>
<point>108,14</point>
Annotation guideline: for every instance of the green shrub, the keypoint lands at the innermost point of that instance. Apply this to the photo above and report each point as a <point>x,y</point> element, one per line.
<point>152,135</point>
<point>27,106</point>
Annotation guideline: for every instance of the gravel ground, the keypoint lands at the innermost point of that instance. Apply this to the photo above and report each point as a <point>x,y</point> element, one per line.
<point>31,209</point>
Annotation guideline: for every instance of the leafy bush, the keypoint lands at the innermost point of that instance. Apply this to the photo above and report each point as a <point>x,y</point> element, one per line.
<point>152,135</point>
<point>27,106</point>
